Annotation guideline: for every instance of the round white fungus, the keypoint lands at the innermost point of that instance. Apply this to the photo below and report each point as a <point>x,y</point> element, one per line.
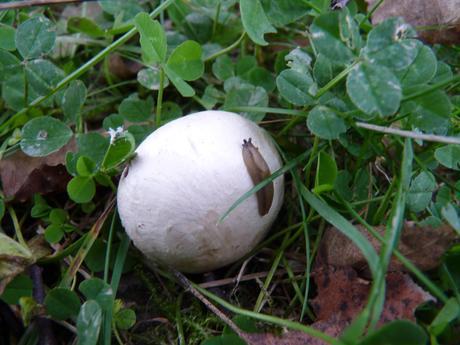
<point>184,177</point>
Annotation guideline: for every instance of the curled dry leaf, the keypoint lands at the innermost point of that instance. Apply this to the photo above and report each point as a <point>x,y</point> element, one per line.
<point>424,246</point>
<point>441,18</point>
<point>15,258</point>
<point>22,176</point>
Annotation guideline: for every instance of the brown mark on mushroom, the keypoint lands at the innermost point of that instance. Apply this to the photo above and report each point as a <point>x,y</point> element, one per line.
<point>258,170</point>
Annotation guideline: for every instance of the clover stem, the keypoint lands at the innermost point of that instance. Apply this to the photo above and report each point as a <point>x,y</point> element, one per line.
<point>160,98</point>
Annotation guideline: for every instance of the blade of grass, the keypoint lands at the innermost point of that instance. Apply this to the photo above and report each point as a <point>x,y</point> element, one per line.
<point>393,232</point>
<point>269,318</point>
<point>344,226</point>
<point>370,315</point>
<point>70,249</point>
<point>109,247</point>
<point>75,264</point>
<point>116,275</point>
<point>288,166</point>
<point>271,273</point>
<point>430,286</point>
<point>369,253</point>
<point>308,258</point>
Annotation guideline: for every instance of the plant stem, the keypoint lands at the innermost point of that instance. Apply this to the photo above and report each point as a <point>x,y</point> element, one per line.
<point>292,112</point>
<point>109,247</point>
<point>216,19</point>
<point>226,49</point>
<point>431,88</point>
<point>409,134</point>
<point>336,79</point>
<point>17,227</point>
<point>268,318</point>
<point>160,98</point>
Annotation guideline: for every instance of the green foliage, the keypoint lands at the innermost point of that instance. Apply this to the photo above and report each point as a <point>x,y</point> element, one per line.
<point>44,135</point>
<point>73,100</point>
<point>397,333</point>
<point>135,110</point>
<point>255,20</point>
<point>19,287</point>
<point>62,303</point>
<point>35,37</point>
<point>325,123</point>
<point>89,323</point>
<point>152,39</point>
<point>61,85</point>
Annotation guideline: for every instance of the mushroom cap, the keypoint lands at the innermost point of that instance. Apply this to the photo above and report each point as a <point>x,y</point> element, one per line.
<point>184,177</point>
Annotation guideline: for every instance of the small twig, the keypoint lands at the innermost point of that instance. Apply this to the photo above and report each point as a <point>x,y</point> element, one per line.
<point>29,3</point>
<point>409,134</point>
<point>45,327</point>
<point>189,287</point>
<point>243,278</point>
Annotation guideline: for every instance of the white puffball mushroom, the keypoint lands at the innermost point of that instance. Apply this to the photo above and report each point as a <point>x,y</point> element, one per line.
<point>185,176</point>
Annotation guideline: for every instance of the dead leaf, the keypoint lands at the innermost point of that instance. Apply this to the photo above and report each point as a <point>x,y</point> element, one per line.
<point>23,176</point>
<point>441,16</point>
<point>424,246</point>
<point>15,258</point>
<point>342,294</point>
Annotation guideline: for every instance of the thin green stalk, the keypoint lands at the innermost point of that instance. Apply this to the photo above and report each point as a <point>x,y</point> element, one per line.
<point>371,12</point>
<point>119,262</point>
<point>216,19</point>
<point>69,275</point>
<point>109,248</point>
<point>306,234</point>
<point>160,98</point>
<point>269,318</point>
<point>288,166</point>
<point>58,256</point>
<point>83,69</point>
<point>311,160</point>
<point>226,49</point>
<point>261,245</point>
<point>26,90</point>
<point>394,227</point>
<point>312,5</point>
<point>338,78</point>
<point>431,88</point>
<point>271,274</point>
<point>282,111</point>
<point>291,276</point>
<point>179,323</point>
<point>383,205</point>
<point>17,227</point>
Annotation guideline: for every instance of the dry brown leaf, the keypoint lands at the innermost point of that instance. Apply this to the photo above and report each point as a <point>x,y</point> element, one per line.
<point>14,258</point>
<point>424,246</point>
<point>23,176</point>
<point>443,15</point>
<point>342,294</point>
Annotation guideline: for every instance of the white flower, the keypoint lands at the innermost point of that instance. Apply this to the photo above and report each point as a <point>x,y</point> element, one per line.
<point>115,133</point>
